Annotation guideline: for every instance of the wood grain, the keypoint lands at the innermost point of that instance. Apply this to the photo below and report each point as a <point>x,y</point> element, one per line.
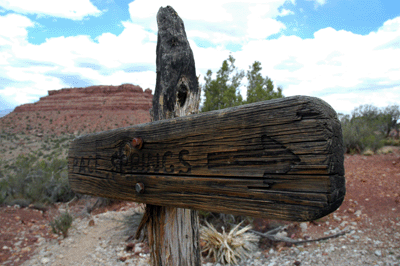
<point>280,159</point>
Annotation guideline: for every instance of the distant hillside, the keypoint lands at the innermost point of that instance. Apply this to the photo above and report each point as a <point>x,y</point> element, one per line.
<point>5,112</point>
<point>81,110</point>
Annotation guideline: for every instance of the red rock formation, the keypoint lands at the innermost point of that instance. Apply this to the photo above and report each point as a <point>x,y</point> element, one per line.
<point>101,98</point>
<point>82,110</point>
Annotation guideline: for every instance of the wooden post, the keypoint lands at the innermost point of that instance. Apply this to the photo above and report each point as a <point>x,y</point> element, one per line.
<point>173,233</point>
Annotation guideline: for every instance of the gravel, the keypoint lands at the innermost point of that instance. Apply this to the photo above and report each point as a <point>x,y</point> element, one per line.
<point>95,240</point>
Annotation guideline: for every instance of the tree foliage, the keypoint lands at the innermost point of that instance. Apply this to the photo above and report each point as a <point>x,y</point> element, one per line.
<point>223,91</point>
<point>259,88</point>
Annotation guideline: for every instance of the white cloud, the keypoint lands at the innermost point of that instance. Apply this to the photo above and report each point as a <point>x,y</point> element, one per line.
<point>261,28</point>
<point>318,2</point>
<point>207,10</point>
<point>285,12</point>
<point>13,28</point>
<point>333,65</point>
<point>71,9</point>
<point>220,21</point>
<point>391,25</point>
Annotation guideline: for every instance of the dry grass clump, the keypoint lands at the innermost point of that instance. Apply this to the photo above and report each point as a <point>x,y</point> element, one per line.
<point>228,248</point>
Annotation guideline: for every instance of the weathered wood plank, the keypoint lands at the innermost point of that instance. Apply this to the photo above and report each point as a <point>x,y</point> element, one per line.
<point>280,159</point>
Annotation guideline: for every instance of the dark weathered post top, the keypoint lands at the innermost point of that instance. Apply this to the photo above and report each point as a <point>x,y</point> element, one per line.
<point>280,159</point>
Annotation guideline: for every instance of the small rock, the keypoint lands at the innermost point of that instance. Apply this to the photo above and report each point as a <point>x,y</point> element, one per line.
<point>303,227</point>
<point>138,249</point>
<point>282,234</point>
<point>297,263</point>
<point>91,222</point>
<point>358,213</point>
<point>44,260</point>
<point>378,253</point>
<point>26,249</point>
<point>271,251</point>
<point>336,218</point>
<point>129,246</point>
<point>343,224</point>
<point>122,259</point>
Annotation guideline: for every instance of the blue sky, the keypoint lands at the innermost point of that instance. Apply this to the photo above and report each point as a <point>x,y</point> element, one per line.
<point>346,52</point>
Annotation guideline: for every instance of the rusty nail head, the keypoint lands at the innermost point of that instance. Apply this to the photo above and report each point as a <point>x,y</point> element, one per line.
<point>137,143</point>
<point>139,188</point>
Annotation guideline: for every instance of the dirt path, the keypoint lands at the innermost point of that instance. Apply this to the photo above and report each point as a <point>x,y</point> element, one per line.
<point>93,240</point>
<point>79,248</point>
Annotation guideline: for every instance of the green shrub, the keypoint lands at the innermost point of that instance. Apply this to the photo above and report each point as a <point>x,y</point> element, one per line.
<point>61,224</point>
<point>23,203</point>
<point>37,181</point>
<point>3,191</point>
<point>368,127</point>
<point>392,142</point>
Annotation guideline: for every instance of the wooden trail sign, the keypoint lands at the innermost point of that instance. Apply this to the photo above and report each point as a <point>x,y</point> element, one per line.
<point>280,159</point>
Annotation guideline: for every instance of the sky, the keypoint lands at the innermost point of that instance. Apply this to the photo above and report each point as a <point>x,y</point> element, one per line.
<point>346,52</point>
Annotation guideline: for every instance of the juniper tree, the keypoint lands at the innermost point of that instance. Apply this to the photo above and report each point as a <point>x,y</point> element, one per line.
<point>259,88</point>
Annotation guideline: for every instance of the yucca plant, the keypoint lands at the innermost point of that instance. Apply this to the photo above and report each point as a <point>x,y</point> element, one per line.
<point>228,247</point>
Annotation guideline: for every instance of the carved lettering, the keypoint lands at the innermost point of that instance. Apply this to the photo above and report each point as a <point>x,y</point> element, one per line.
<point>157,164</point>
<point>75,164</point>
<point>135,162</point>
<point>86,165</point>
<point>185,163</point>
<point>82,166</point>
<point>123,162</point>
<point>115,162</point>
<point>142,162</point>
<point>90,169</point>
<point>171,167</point>
<point>149,157</point>
<point>96,165</point>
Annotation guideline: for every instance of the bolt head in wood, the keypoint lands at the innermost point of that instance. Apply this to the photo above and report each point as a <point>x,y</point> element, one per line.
<point>137,143</point>
<point>139,188</point>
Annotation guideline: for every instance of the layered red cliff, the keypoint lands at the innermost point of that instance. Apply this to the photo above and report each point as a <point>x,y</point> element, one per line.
<point>81,110</point>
